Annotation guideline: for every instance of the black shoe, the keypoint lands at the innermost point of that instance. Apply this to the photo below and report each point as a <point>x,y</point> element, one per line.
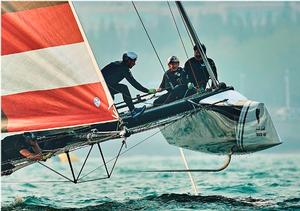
<point>137,111</point>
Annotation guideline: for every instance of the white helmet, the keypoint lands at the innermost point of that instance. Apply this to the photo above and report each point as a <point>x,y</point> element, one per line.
<point>129,55</point>
<point>172,59</point>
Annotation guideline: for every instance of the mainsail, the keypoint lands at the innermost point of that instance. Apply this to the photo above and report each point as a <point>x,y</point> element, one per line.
<point>49,76</point>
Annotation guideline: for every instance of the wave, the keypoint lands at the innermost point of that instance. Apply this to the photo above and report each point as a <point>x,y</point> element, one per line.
<point>170,201</point>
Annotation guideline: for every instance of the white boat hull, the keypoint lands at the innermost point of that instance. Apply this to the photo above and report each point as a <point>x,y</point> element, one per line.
<point>234,124</point>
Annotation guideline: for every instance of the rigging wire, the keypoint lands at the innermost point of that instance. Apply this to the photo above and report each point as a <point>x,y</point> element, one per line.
<point>142,141</point>
<point>138,14</point>
<point>191,39</point>
<point>178,30</point>
<point>183,43</point>
<point>198,43</point>
<point>187,30</point>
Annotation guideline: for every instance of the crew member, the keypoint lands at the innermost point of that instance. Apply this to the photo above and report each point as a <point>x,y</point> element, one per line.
<point>176,82</point>
<point>115,72</point>
<point>197,70</point>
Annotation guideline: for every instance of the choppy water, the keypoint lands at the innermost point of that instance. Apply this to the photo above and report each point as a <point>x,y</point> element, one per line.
<point>258,181</point>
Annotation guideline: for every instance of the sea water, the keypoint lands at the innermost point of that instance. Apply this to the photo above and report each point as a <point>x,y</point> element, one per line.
<point>251,182</point>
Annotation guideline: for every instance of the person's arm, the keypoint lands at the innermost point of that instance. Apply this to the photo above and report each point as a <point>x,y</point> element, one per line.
<point>190,71</point>
<point>186,66</point>
<point>162,84</point>
<point>213,67</point>
<point>134,83</point>
<point>185,77</point>
<point>165,84</point>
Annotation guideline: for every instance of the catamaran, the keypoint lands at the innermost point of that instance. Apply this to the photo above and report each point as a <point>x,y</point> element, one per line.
<point>54,98</point>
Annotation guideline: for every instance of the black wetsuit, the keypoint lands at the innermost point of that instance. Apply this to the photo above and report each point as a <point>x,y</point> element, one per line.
<point>198,73</point>
<point>115,72</point>
<point>179,80</point>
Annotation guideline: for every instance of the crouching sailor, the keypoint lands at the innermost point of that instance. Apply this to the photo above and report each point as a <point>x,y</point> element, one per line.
<point>115,72</point>
<point>30,139</point>
<point>176,82</point>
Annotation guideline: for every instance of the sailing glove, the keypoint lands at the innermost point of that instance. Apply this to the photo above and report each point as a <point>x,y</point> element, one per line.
<point>190,86</point>
<point>152,91</point>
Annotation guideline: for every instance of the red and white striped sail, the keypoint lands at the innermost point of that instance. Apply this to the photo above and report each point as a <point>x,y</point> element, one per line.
<point>49,76</point>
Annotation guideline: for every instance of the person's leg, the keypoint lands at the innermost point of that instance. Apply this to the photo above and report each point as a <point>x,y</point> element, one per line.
<point>190,92</point>
<point>177,93</point>
<point>112,91</point>
<point>180,92</point>
<point>123,89</point>
<point>161,100</point>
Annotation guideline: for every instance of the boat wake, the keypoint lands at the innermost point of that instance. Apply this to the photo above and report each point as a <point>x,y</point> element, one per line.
<point>165,201</point>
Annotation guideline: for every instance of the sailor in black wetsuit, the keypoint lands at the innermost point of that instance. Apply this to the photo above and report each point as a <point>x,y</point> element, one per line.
<point>176,82</point>
<point>115,72</point>
<point>197,70</point>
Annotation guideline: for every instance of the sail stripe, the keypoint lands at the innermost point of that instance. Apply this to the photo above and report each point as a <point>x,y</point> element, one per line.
<point>38,28</point>
<point>15,6</point>
<point>48,68</point>
<point>62,107</point>
<point>49,77</point>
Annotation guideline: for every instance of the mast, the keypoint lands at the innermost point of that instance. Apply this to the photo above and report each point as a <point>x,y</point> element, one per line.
<point>196,41</point>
